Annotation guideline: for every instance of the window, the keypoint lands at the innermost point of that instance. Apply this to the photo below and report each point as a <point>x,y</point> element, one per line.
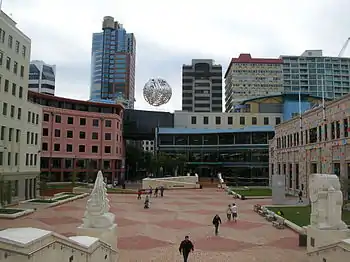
<point>33,118</point>
<point>1,158</point>
<point>230,120</point>
<point>108,123</point>
<point>69,134</point>
<point>17,47</point>
<point>27,159</point>
<point>205,120</point>
<point>32,138</point>
<point>57,132</point>
<point>35,159</point>
<point>94,149</point>
<point>81,148</point>
<point>325,132</point>
<point>2,135</point>
<point>277,120</point>
<point>18,135</point>
<point>9,158</point>
<point>254,120</point>
<point>10,41</point>
<point>193,120</point>
<point>333,130</point>
<point>4,109</point>
<point>242,120</point>
<point>82,135</point>
<point>19,113</point>
<point>12,112</point>
<point>2,36</point>
<point>24,51</point>
<point>7,85</point>
<point>1,58</point>
<point>37,119</point>
<point>45,131</point>
<point>57,118</point>
<point>108,136</point>
<point>44,146</point>
<point>95,122</point>
<point>94,136</point>
<point>22,71</point>
<point>36,139</point>
<point>346,127</point>
<point>69,148</point>
<point>337,129</point>
<point>266,120</point>
<point>16,159</point>
<point>20,93</point>
<point>10,134</point>
<point>15,67</point>
<point>218,120</point>
<point>107,149</point>
<point>82,121</point>
<point>70,120</point>
<point>46,117</point>
<point>8,63</point>
<point>28,138</point>
<point>56,147</point>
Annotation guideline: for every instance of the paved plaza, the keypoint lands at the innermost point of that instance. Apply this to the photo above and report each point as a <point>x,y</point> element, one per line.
<point>155,234</point>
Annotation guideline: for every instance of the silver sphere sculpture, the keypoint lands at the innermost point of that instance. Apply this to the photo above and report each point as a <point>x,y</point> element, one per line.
<point>157,91</point>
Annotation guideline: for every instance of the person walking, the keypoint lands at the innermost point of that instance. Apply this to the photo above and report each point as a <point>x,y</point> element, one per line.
<point>139,193</point>
<point>229,213</point>
<point>186,247</point>
<point>216,223</point>
<point>161,191</point>
<point>147,203</point>
<point>234,212</point>
<point>156,192</point>
<point>150,191</point>
<point>300,195</point>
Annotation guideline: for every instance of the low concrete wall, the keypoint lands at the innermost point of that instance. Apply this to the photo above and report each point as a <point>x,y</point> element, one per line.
<point>23,212</point>
<point>171,182</point>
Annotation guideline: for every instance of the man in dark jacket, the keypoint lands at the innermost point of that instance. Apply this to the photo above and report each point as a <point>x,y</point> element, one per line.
<point>216,223</point>
<point>186,247</point>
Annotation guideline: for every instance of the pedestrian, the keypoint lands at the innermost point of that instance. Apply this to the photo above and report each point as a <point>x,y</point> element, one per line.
<point>161,191</point>
<point>300,196</point>
<point>147,203</point>
<point>229,213</point>
<point>216,223</point>
<point>234,212</point>
<point>139,193</point>
<point>186,247</point>
<point>150,191</point>
<point>156,192</point>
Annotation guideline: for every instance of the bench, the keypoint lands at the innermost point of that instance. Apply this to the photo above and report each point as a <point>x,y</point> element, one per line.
<point>278,223</point>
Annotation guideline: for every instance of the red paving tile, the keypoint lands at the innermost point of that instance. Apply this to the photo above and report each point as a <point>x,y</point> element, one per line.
<point>217,203</point>
<point>55,221</point>
<point>68,208</point>
<point>202,212</point>
<point>140,243</point>
<point>123,222</point>
<point>181,203</point>
<point>217,243</point>
<point>178,224</point>
<point>286,243</point>
<point>242,225</point>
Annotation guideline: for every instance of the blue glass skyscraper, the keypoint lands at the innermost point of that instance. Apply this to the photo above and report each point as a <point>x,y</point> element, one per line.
<point>113,64</point>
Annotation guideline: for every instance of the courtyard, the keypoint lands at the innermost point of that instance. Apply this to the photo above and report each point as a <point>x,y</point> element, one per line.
<point>155,234</point>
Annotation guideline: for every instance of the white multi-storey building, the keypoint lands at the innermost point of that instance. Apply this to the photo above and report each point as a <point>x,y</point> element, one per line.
<point>42,77</point>
<point>20,120</point>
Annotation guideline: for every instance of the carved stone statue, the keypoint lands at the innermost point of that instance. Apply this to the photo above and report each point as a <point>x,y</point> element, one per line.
<point>97,208</point>
<point>326,202</point>
<point>220,178</point>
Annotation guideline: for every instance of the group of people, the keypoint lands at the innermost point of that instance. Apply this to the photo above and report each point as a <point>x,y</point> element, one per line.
<point>149,194</point>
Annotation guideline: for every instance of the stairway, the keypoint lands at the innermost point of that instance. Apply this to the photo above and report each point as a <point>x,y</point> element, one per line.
<point>206,182</point>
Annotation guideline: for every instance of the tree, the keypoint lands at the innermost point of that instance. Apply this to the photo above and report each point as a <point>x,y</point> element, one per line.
<point>345,186</point>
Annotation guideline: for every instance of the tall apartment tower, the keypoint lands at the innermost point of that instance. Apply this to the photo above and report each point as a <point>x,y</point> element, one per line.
<point>315,74</point>
<point>113,64</point>
<point>248,78</point>
<point>20,120</point>
<point>42,77</point>
<point>202,86</point>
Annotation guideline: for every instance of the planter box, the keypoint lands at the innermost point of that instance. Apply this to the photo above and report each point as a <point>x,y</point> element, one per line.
<point>23,212</point>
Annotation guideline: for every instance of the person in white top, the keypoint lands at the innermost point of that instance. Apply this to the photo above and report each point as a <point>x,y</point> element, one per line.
<point>234,212</point>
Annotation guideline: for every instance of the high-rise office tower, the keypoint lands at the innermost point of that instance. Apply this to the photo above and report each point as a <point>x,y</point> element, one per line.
<point>248,77</point>
<point>202,86</point>
<point>315,74</point>
<point>42,77</point>
<point>113,64</point>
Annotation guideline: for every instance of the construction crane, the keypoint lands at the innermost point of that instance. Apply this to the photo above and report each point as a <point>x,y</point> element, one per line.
<point>344,47</point>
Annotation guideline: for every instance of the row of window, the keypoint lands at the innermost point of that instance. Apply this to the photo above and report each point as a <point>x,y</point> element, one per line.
<point>11,65</point>
<point>82,134</point>
<point>81,148</point>
<point>242,120</point>
<point>82,121</point>
<point>11,43</point>
<point>32,138</point>
<point>11,112</point>
<point>11,133</point>
<point>316,134</point>
<point>13,159</point>
<point>289,183</point>
<point>15,89</point>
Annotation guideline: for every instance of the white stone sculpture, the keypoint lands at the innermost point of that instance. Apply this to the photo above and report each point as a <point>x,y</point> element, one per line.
<point>326,202</point>
<point>97,208</point>
<point>196,175</point>
<point>220,178</point>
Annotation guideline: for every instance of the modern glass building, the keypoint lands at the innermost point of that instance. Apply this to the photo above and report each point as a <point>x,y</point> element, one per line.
<point>42,77</point>
<point>113,64</point>
<point>241,155</point>
<point>312,73</point>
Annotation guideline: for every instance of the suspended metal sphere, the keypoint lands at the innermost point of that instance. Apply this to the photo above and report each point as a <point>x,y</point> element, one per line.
<point>157,91</point>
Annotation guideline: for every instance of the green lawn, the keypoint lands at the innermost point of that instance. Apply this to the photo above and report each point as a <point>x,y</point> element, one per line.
<point>301,215</point>
<point>253,192</point>
<point>9,211</point>
<point>45,201</point>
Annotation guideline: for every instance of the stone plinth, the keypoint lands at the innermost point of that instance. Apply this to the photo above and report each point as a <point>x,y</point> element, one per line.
<point>278,190</point>
<point>108,235</point>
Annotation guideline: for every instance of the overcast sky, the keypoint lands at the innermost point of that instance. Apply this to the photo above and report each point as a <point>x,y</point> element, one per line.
<point>171,33</point>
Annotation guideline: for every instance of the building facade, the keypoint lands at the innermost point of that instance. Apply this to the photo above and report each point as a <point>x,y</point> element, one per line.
<point>183,119</point>
<point>241,155</point>
<point>113,64</point>
<point>42,77</point>
<point>80,138</point>
<point>20,120</point>
<point>148,146</point>
<point>316,143</point>
<point>248,78</point>
<point>202,86</point>
<point>315,74</point>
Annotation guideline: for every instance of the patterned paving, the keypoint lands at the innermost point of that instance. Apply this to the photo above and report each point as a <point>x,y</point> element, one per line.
<point>155,234</point>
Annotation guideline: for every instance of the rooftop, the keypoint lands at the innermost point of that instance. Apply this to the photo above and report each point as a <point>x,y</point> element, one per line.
<point>165,130</point>
<point>85,241</point>
<point>23,235</point>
